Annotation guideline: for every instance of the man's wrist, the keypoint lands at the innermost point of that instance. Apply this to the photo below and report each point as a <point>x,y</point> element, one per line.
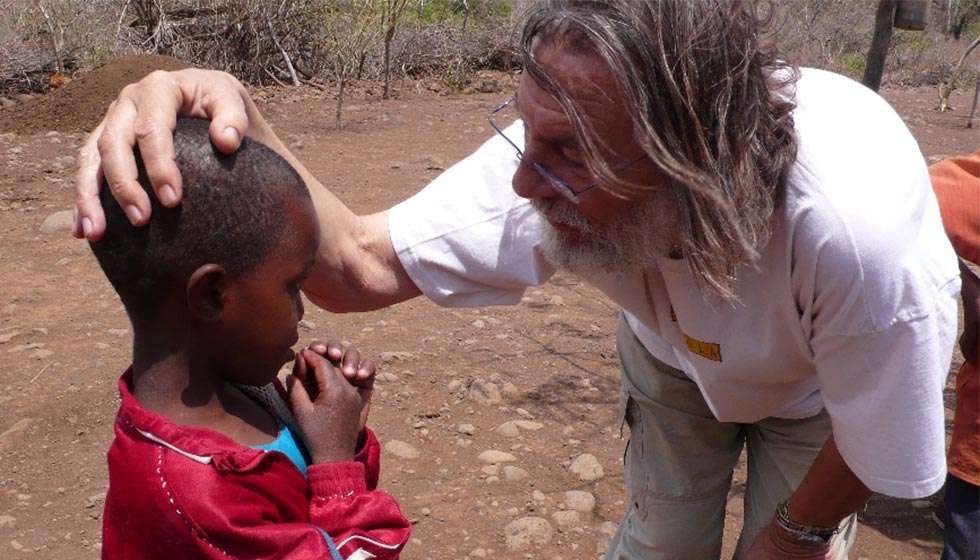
<point>801,532</point>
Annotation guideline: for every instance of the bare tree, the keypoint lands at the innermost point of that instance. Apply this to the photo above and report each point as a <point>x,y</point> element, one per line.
<point>391,16</point>
<point>884,17</point>
<point>351,29</point>
<point>947,86</point>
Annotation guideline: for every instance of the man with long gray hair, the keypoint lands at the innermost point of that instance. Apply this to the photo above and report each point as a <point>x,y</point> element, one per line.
<point>669,156</point>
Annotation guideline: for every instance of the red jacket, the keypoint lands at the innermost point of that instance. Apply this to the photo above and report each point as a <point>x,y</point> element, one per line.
<point>179,492</point>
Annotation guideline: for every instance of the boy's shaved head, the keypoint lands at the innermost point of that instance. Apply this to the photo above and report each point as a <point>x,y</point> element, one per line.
<point>232,214</point>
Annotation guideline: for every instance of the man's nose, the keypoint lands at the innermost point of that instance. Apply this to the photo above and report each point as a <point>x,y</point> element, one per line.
<point>528,183</point>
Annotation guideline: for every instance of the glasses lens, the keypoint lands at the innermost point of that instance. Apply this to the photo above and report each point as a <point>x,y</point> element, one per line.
<point>556,184</point>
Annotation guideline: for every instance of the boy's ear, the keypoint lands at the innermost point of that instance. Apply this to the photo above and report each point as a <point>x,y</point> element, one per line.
<point>205,292</point>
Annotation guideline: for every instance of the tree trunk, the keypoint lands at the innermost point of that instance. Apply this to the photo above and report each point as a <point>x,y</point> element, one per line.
<point>389,35</point>
<point>340,98</point>
<point>878,52</point>
<point>973,110</point>
<point>946,87</point>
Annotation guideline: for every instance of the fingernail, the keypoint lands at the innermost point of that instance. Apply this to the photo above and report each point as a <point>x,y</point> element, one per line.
<point>134,214</point>
<point>234,133</point>
<point>86,226</point>
<point>168,196</point>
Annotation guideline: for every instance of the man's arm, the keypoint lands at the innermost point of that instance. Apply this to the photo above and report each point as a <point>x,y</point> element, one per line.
<point>357,268</point>
<point>829,492</point>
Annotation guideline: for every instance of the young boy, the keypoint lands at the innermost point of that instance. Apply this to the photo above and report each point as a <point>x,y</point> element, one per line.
<point>199,468</point>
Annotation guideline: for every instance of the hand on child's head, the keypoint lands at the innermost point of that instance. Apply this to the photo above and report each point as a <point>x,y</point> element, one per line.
<point>333,418</point>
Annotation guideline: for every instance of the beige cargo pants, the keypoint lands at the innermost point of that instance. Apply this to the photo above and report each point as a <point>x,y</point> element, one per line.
<point>679,463</point>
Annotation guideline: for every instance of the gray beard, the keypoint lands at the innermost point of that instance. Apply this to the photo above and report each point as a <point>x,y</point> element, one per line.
<point>644,232</point>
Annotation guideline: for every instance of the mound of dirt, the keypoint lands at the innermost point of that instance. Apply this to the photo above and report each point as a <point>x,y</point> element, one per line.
<point>81,104</point>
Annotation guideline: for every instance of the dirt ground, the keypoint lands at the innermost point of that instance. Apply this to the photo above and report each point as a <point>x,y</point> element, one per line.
<point>64,340</point>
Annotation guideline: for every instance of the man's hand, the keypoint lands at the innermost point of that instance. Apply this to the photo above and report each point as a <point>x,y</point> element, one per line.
<point>775,543</point>
<point>331,420</point>
<point>145,114</point>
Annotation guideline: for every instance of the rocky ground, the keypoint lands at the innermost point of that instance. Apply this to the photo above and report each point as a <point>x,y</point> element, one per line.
<point>499,425</point>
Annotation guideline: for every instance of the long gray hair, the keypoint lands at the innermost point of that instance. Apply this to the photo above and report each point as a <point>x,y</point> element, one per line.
<point>711,105</point>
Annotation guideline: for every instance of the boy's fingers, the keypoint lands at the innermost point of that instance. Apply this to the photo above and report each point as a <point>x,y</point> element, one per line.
<point>320,372</point>
<point>366,371</point>
<point>89,216</point>
<point>299,367</point>
<point>351,363</point>
<point>298,397</point>
<point>335,351</point>
<point>115,146</point>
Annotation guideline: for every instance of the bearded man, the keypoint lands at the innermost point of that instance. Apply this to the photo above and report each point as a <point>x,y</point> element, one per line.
<point>769,232</point>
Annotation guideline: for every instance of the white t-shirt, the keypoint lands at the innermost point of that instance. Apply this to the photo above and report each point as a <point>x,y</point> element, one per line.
<point>852,307</point>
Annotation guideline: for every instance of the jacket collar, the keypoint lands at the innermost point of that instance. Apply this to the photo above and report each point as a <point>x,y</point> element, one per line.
<point>198,444</point>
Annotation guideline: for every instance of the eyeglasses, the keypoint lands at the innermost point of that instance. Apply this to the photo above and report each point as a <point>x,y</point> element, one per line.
<point>554,181</point>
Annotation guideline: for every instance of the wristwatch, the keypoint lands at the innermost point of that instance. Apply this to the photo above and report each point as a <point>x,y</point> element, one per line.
<point>809,534</point>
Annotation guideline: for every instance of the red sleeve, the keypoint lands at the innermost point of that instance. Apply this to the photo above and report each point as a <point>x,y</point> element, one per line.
<point>268,511</point>
<point>956,182</point>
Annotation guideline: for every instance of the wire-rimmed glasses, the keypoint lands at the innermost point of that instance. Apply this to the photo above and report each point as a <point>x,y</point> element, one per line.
<point>554,181</point>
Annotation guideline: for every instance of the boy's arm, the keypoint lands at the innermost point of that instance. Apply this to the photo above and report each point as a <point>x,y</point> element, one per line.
<point>264,510</point>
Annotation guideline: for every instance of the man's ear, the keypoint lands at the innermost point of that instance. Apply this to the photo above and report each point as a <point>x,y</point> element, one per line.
<point>205,292</point>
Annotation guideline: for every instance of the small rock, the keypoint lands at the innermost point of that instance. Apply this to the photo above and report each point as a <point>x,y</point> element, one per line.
<point>386,377</point>
<point>587,467</point>
<point>6,103</point>
<point>16,545</point>
<point>566,518</point>
<point>388,357</point>
<point>466,429</point>
<point>426,511</point>
<point>19,427</point>
<point>510,390</point>
<point>529,425</point>
<point>308,325</point>
<point>513,473</point>
<point>491,470</point>
<point>508,429</point>
<point>58,222</point>
<point>479,324</point>
<point>580,501</point>
<point>527,531</point>
<point>478,553</point>
<point>41,353</point>
<point>7,521</point>
<point>492,456</point>
<point>401,450</point>
<point>538,496</point>
<point>485,392</point>
<point>454,385</point>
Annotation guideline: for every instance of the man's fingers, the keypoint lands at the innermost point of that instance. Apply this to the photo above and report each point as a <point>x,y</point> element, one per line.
<point>89,217</point>
<point>223,103</point>
<point>154,126</point>
<point>118,164</point>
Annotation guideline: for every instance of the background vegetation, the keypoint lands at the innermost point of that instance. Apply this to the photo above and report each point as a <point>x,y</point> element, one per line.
<point>327,42</point>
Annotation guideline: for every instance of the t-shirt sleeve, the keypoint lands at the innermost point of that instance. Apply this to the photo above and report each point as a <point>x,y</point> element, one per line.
<point>883,311</point>
<point>467,239</point>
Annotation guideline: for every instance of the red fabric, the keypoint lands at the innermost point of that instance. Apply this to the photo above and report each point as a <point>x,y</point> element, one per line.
<point>244,503</point>
<point>956,182</point>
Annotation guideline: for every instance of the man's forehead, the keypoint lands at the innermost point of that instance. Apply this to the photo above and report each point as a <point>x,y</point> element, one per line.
<point>584,76</point>
<point>582,73</point>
